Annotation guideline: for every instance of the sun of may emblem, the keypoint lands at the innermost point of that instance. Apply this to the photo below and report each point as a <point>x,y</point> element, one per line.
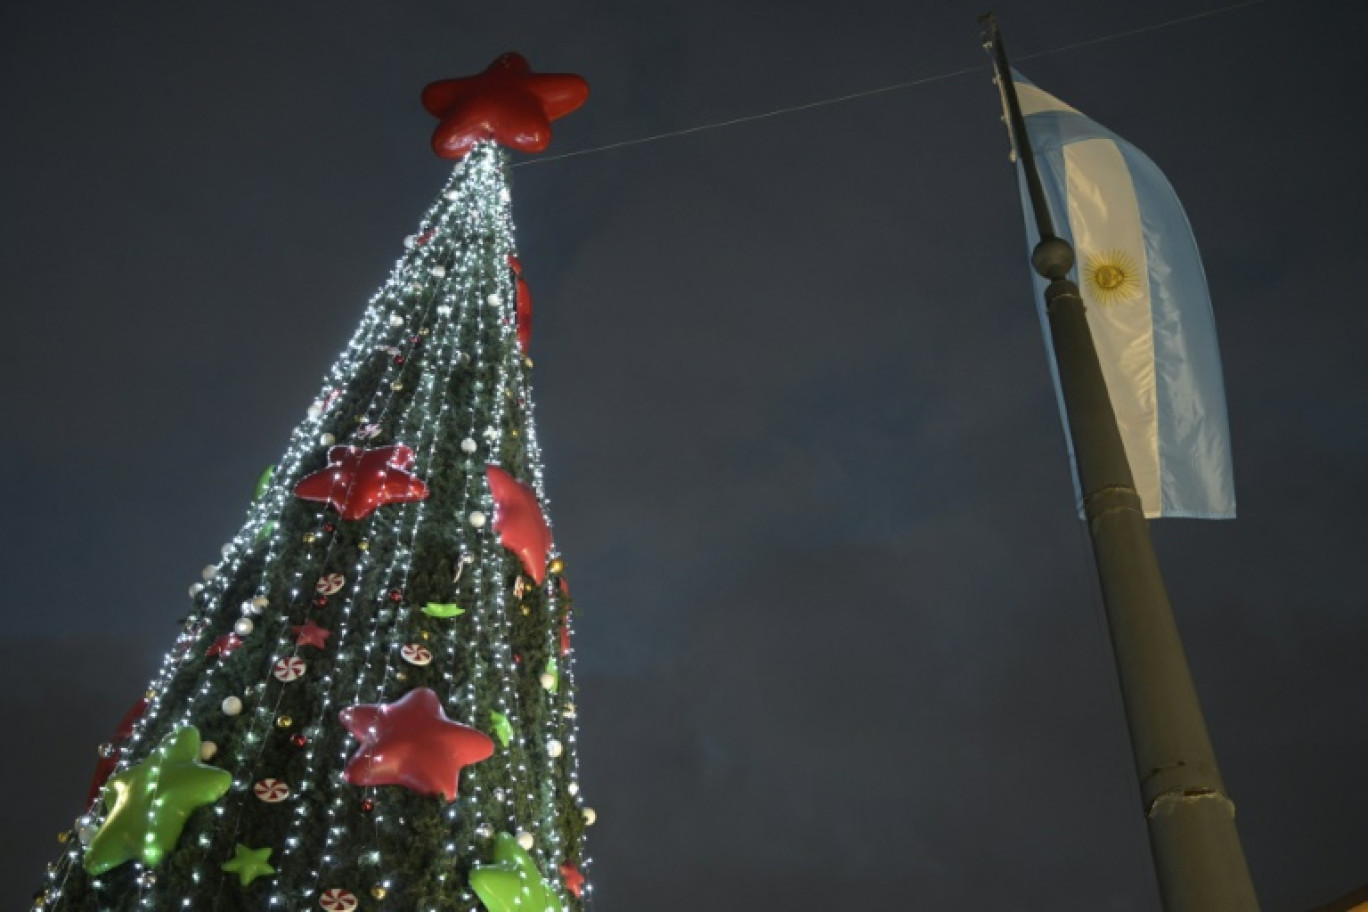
<point>1112,276</point>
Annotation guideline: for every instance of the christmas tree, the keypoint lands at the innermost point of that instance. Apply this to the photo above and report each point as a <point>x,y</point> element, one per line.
<point>371,702</point>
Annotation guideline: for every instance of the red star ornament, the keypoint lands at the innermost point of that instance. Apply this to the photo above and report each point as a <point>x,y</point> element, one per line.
<point>522,304</point>
<point>224,645</point>
<point>358,480</point>
<point>519,521</point>
<point>310,634</point>
<point>412,743</point>
<point>507,103</point>
<point>574,880</point>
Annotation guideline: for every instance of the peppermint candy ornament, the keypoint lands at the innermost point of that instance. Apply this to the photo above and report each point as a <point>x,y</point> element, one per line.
<point>337,900</point>
<point>415,654</point>
<point>271,791</point>
<point>330,584</point>
<point>289,669</point>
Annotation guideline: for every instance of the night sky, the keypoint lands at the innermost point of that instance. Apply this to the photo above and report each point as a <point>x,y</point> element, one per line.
<point>840,645</point>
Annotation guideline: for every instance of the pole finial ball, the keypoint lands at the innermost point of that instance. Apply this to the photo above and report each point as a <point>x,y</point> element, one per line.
<point>1053,258</point>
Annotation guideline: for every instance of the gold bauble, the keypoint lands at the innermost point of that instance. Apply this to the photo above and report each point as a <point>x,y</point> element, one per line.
<point>425,635</point>
<point>363,545</point>
<point>309,537</point>
<point>64,837</point>
<point>284,721</point>
<point>150,694</point>
<point>525,610</point>
<point>379,891</point>
<point>396,386</point>
<point>556,566</point>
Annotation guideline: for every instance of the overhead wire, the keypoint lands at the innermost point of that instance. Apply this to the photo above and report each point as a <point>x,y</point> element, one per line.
<point>894,87</point>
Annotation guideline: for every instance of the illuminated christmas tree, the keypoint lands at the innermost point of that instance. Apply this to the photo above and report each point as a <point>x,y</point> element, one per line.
<point>370,704</point>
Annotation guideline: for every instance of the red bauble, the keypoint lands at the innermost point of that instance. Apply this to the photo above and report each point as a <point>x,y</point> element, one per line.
<point>358,480</point>
<point>507,103</point>
<point>523,304</point>
<point>299,740</point>
<point>412,743</point>
<point>519,521</point>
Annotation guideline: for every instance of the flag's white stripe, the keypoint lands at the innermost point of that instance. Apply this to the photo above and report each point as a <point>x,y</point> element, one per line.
<point>1033,100</point>
<point>1104,218</point>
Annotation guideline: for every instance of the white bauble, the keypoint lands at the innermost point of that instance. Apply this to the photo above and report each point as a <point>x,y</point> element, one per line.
<point>231,706</point>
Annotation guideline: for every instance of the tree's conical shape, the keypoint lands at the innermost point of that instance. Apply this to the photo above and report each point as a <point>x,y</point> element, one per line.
<point>380,661</point>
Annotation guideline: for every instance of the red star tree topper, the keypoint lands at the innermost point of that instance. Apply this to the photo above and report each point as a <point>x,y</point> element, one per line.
<point>412,743</point>
<point>359,480</point>
<point>507,103</point>
<point>519,520</point>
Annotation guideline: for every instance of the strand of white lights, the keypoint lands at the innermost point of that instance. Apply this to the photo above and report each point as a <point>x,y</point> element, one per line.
<point>564,726</point>
<point>339,794</point>
<point>340,672</point>
<point>384,393</point>
<point>472,312</point>
<point>268,509</point>
<point>506,367</point>
<point>514,384</point>
<point>488,596</point>
<point>378,662</point>
<point>468,327</point>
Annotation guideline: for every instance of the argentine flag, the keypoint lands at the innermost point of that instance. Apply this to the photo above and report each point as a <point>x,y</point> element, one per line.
<point>1147,306</point>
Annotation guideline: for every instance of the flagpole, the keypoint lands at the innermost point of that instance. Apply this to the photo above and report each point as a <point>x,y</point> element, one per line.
<point>1198,860</point>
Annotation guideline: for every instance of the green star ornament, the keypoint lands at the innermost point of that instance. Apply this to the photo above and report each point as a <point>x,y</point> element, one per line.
<point>513,883</point>
<point>442,609</point>
<point>150,802</point>
<point>503,729</point>
<point>248,863</point>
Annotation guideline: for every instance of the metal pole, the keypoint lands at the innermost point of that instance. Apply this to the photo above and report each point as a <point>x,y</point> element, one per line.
<point>1198,860</point>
